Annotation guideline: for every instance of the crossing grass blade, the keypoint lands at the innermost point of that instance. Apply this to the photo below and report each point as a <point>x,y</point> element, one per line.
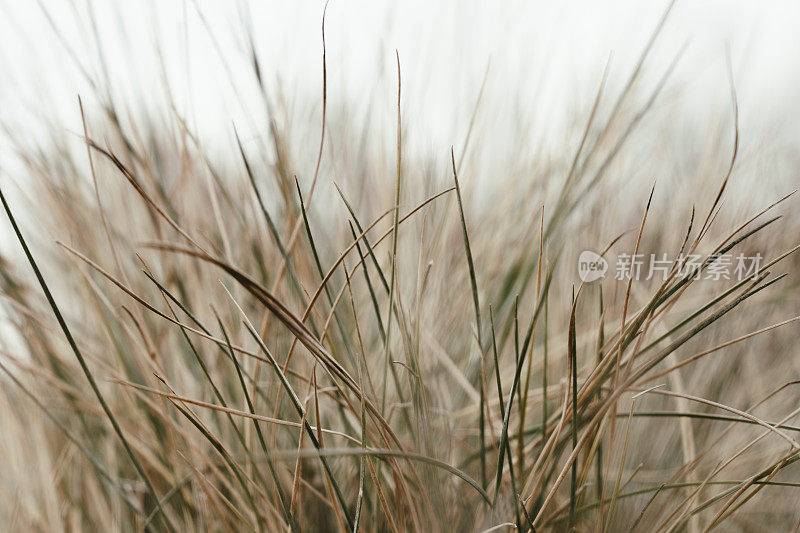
<point>82,362</point>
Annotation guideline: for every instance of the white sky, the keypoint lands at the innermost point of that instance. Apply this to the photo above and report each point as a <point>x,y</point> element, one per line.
<point>546,58</point>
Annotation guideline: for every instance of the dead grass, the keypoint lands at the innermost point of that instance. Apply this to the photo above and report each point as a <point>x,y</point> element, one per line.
<point>383,345</point>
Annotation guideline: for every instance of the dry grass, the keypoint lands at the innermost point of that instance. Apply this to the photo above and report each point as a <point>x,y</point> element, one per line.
<point>409,349</point>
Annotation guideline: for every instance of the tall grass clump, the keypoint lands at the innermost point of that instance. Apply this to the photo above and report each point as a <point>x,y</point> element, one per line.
<point>323,330</point>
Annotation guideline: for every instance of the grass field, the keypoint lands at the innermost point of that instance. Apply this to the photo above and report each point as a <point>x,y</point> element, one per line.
<point>393,341</point>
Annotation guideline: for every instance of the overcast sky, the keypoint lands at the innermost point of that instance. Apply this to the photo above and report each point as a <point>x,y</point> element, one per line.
<point>545,57</point>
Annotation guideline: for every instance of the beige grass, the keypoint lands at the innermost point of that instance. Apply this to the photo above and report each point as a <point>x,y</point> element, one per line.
<point>341,360</point>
